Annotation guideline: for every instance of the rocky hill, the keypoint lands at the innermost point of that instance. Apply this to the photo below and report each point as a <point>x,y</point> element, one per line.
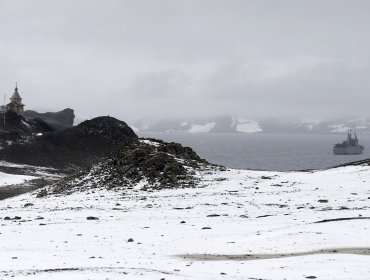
<point>17,128</point>
<point>58,120</point>
<point>147,164</point>
<point>78,146</point>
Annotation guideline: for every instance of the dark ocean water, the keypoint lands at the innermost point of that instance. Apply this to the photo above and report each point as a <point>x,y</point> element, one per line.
<point>279,152</point>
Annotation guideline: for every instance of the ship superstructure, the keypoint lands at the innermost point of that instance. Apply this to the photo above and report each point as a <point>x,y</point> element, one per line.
<point>348,147</point>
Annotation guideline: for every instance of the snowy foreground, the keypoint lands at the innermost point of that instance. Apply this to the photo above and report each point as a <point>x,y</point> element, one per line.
<point>240,225</point>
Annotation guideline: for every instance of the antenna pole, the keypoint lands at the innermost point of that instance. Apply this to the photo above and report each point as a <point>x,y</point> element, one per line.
<point>4,115</point>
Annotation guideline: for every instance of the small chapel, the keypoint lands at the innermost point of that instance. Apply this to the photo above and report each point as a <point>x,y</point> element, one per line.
<point>15,104</point>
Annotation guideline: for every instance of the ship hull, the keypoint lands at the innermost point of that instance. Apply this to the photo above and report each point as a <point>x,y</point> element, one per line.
<point>356,150</point>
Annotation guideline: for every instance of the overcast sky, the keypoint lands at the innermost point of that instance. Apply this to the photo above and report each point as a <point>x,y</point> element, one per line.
<point>165,59</point>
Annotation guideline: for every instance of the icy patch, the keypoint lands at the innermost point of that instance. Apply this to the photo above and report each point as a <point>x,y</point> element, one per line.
<point>10,179</point>
<point>339,128</point>
<point>248,126</point>
<point>26,124</point>
<point>199,128</point>
<point>148,142</point>
<point>308,123</point>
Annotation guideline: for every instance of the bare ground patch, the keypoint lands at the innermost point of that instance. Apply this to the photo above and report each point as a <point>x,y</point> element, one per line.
<point>250,257</point>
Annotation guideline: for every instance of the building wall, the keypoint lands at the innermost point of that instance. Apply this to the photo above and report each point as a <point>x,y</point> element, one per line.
<point>15,108</point>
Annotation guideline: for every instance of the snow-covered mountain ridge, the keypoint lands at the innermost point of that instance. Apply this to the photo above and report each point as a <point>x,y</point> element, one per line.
<point>228,124</point>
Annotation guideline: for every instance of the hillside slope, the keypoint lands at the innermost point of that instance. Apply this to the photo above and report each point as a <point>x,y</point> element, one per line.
<point>57,120</point>
<point>20,129</point>
<point>78,146</point>
<point>144,164</point>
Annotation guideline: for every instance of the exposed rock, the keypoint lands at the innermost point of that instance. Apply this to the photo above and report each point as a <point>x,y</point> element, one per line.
<point>91,218</point>
<point>18,128</point>
<point>42,193</point>
<point>58,120</point>
<point>78,146</point>
<point>152,163</point>
<point>28,205</point>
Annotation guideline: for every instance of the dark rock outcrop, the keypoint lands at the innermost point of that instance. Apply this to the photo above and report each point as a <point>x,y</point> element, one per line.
<point>58,120</point>
<point>20,129</point>
<point>78,146</point>
<point>153,164</point>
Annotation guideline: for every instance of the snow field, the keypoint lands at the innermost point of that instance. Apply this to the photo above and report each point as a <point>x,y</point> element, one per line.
<point>177,232</point>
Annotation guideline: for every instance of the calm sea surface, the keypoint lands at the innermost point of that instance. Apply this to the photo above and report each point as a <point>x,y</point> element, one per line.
<point>279,152</point>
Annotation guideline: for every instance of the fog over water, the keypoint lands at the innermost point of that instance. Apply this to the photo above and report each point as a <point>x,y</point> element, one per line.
<point>262,151</point>
<point>188,58</point>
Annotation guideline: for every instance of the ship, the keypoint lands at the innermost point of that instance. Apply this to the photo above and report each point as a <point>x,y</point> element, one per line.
<point>348,147</point>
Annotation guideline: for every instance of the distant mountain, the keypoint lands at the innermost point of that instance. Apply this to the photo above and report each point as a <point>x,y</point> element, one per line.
<point>228,124</point>
<point>58,120</point>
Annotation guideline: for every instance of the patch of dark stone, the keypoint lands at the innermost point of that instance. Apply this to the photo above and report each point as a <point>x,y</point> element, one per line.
<point>16,218</point>
<point>342,219</point>
<point>250,257</point>
<point>181,208</point>
<point>220,179</point>
<point>42,193</point>
<point>91,218</point>
<point>263,216</point>
<point>278,205</point>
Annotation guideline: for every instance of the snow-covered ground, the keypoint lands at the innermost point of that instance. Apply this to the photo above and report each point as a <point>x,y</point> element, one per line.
<point>240,225</point>
<point>10,179</point>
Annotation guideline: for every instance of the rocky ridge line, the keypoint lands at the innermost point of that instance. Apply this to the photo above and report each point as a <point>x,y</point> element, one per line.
<point>144,164</point>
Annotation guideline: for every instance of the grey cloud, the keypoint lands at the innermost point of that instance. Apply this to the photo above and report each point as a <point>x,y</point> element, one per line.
<point>188,58</point>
